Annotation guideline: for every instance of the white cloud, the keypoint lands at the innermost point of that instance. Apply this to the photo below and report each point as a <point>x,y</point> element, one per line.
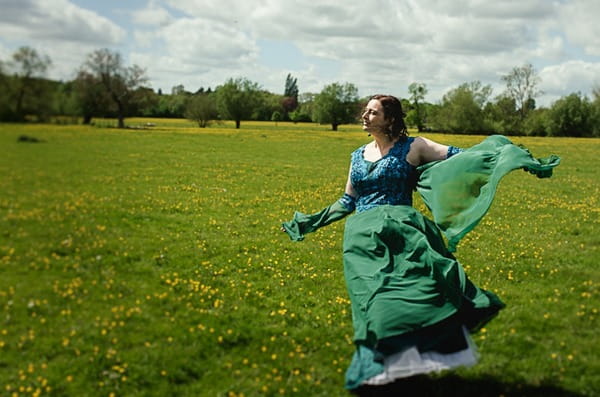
<point>506,9</point>
<point>57,28</point>
<point>569,77</point>
<point>153,15</point>
<point>196,50</point>
<point>549,46</point>
<point>56,20</point>
<point>580,21</point>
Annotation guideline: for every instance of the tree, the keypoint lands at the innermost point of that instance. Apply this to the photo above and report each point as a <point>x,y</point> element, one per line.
<point>276,116</point>
<point>304,111</point>
<point>461,110</point>
<point>24,91</point>
<point>29,65</point>
<point>536,123</point>
<point>417,96</point>
<point>596,92</point>
<point>481,93</point>
<point>336,104</point>
<point>596,111</point>
<point>202,109</point>
<point>121,84</point>
<point>502,117</point>
<point>289,104</point>
<point>571,116</point>
<point>65,100</point>
<point>4,89</point>
<point>267,104</point>
<point>521,86</point>
<point>290,94</point>
<point>237,99</point>
<point>91,97</point>
<point>177,101</point>
<point>291,87</point>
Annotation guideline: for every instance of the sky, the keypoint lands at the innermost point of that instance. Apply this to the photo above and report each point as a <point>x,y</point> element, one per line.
<point>380,46</point>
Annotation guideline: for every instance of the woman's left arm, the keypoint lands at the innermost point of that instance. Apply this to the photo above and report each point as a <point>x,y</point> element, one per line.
<point>424,150</point>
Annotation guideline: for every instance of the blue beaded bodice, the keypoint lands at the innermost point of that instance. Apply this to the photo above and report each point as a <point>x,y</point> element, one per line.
<point>389,180</point>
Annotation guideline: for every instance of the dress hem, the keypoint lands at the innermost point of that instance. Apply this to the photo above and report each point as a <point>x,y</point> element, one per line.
<point>411,362</point>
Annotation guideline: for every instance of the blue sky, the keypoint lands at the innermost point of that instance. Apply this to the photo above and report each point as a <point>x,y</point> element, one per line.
<point>381,46</point>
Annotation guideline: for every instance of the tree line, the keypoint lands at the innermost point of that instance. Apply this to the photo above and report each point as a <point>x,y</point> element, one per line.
<point>104,86</point>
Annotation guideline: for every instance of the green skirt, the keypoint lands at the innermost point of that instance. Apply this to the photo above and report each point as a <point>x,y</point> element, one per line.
<point>407,290</point>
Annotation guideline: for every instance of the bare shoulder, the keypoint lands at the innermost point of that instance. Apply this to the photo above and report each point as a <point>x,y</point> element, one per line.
<point>424,150</point>
<point>422,141</point>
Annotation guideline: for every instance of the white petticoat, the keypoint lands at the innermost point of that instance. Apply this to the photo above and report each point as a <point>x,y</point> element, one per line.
<point>410,362</point>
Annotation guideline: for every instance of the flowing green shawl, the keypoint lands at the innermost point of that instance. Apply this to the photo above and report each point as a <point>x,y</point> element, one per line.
<point>460,190</point>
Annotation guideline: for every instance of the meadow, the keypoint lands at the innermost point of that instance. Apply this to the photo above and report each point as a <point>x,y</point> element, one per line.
<point>149,262</point>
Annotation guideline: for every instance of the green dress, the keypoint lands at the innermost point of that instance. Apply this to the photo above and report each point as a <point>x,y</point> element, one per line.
<point>412,304</point>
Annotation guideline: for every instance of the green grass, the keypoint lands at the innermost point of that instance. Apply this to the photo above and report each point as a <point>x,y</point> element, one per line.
<point>150,262</point>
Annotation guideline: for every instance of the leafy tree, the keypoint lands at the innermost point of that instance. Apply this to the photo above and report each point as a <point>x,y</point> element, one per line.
<point>417,96</point>
<point>596,111</point>
<point>29,65</point>
<point>178,90</point>
<point>65,100</point>
<point>120,83</point>
<point>24,89</point>
<point>175,104</point>
<point>289,104</point>
<point>267,105</point>
<point>290,94</point>
<point>412,118</point>
<point>4,90</point>
<point>147,101</point>
<point>276,117</point>
<point>336,104</point>
<point>304,111</point>
<point>92,98</point>
<point>167,105</point>
<point>521,86</point>
<point>202,109</point>
<point>536,123</point>
<point>291,87</point>
<point>237,99</point>
<point>571,116</point>
<point>502,117</point>
<point>481,93</point>
<point>461,109</point>
<point>300,116</point>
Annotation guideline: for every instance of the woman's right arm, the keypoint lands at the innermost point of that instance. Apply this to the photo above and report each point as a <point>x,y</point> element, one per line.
<point>307,223</point>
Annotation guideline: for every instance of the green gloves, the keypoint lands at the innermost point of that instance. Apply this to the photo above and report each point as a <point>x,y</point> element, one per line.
<point>542,168</point>
<point>305,223</point>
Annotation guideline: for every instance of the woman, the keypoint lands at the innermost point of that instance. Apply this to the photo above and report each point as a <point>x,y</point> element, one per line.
<point>412,305</point>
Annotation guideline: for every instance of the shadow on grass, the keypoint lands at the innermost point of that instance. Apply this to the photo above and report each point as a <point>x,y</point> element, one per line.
<point>451,385</point>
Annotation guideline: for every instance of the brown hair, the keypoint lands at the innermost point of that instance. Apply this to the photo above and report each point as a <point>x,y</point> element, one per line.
<point>392,110</point>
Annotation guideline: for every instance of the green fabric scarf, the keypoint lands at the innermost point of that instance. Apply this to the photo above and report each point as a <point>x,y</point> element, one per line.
<point>460,190</point>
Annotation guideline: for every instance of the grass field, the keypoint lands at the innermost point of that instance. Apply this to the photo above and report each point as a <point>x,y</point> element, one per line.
<point>150,263</point>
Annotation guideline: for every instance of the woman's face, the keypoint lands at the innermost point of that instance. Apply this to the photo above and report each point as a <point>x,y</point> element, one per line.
<point>373,117</point>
